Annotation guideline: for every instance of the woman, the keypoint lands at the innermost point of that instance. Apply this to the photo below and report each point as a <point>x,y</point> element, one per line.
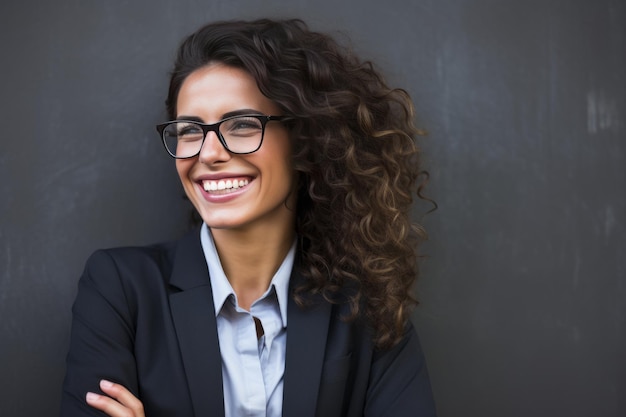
<point>293,298</point>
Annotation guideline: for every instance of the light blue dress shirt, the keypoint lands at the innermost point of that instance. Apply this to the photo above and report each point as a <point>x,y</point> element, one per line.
<point>252,369</point>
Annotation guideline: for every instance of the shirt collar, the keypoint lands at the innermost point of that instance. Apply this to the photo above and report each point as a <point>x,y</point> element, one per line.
<point>221,287</point>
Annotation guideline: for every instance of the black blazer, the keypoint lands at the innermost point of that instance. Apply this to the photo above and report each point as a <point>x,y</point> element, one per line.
<point>144,317</point>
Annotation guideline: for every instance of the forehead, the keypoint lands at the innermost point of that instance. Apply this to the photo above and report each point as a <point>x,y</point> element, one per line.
<point>215,89</point>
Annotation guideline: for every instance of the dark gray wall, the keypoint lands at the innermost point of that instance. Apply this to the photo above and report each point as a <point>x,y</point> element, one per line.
<point>524,287</point>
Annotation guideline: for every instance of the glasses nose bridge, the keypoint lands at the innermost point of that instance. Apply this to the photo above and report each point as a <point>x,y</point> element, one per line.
<point>215,127</point>
<point>208,128</point>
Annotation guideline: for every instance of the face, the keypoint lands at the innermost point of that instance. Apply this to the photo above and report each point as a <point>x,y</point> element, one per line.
<point>258,187</point>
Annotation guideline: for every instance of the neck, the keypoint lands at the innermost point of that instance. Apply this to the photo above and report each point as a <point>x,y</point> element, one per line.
<point>251,257</point>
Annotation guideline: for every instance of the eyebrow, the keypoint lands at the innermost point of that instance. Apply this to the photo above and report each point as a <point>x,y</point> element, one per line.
<point>239,112</point>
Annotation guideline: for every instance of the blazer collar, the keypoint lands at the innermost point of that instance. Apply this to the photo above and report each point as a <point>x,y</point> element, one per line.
<point>307,329</point>
<point>196,328</point>
<point>189,269</point>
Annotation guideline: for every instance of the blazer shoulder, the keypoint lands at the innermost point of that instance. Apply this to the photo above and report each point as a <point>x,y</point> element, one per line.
<point>137,265</point>
<point>133,257</point>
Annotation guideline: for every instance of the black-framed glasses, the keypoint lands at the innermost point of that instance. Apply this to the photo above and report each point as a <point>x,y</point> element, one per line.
<point>241,134</point>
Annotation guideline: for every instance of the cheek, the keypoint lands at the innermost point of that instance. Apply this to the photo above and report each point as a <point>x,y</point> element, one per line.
<point>281,154</point>
<point>287,177</point>
<point>281,166</point>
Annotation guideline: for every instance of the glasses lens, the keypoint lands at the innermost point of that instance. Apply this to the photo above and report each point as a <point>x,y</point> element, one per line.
<point>183,139</point>
<point>242,134</point>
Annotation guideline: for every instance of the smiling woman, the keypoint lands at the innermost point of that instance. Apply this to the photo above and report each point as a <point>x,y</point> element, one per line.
<point>213,93</point>
<point>293,297</point>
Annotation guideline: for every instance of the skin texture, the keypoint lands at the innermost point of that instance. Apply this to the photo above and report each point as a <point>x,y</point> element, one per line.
<point>253,228</point>
<point>208,94</point>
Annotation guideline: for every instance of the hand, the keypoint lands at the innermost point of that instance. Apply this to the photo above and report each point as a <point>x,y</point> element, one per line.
<point>119,403</point>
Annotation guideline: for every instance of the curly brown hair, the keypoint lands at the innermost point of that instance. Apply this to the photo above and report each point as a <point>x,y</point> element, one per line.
<point>354,150</point>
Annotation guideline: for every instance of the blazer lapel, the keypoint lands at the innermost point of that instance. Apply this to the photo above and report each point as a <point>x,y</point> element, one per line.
<point>307,329</point>
<point>193,314</point>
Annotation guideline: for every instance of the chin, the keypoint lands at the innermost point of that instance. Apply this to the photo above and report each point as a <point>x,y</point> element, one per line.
<point>214,222</point>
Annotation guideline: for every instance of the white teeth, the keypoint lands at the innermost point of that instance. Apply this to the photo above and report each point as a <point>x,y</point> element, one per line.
<point>221,185</point>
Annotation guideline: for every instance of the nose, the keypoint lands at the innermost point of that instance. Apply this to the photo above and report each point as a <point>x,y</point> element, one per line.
<point>212,150</point>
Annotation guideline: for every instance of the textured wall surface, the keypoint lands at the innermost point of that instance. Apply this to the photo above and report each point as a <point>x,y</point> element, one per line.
<point>524,285</point>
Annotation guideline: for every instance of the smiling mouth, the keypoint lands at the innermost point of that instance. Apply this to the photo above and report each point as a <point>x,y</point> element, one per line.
<point>224,186</point>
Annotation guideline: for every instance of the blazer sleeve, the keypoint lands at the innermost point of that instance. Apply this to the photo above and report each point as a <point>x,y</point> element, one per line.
<point>102,337</point>
<point>399,385</point>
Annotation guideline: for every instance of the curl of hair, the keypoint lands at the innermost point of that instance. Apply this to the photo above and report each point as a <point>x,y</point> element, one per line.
<point>354,150</point>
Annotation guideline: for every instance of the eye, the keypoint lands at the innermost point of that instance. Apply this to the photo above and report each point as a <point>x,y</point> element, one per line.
<point>188,131</point>
<point>242,126</point>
